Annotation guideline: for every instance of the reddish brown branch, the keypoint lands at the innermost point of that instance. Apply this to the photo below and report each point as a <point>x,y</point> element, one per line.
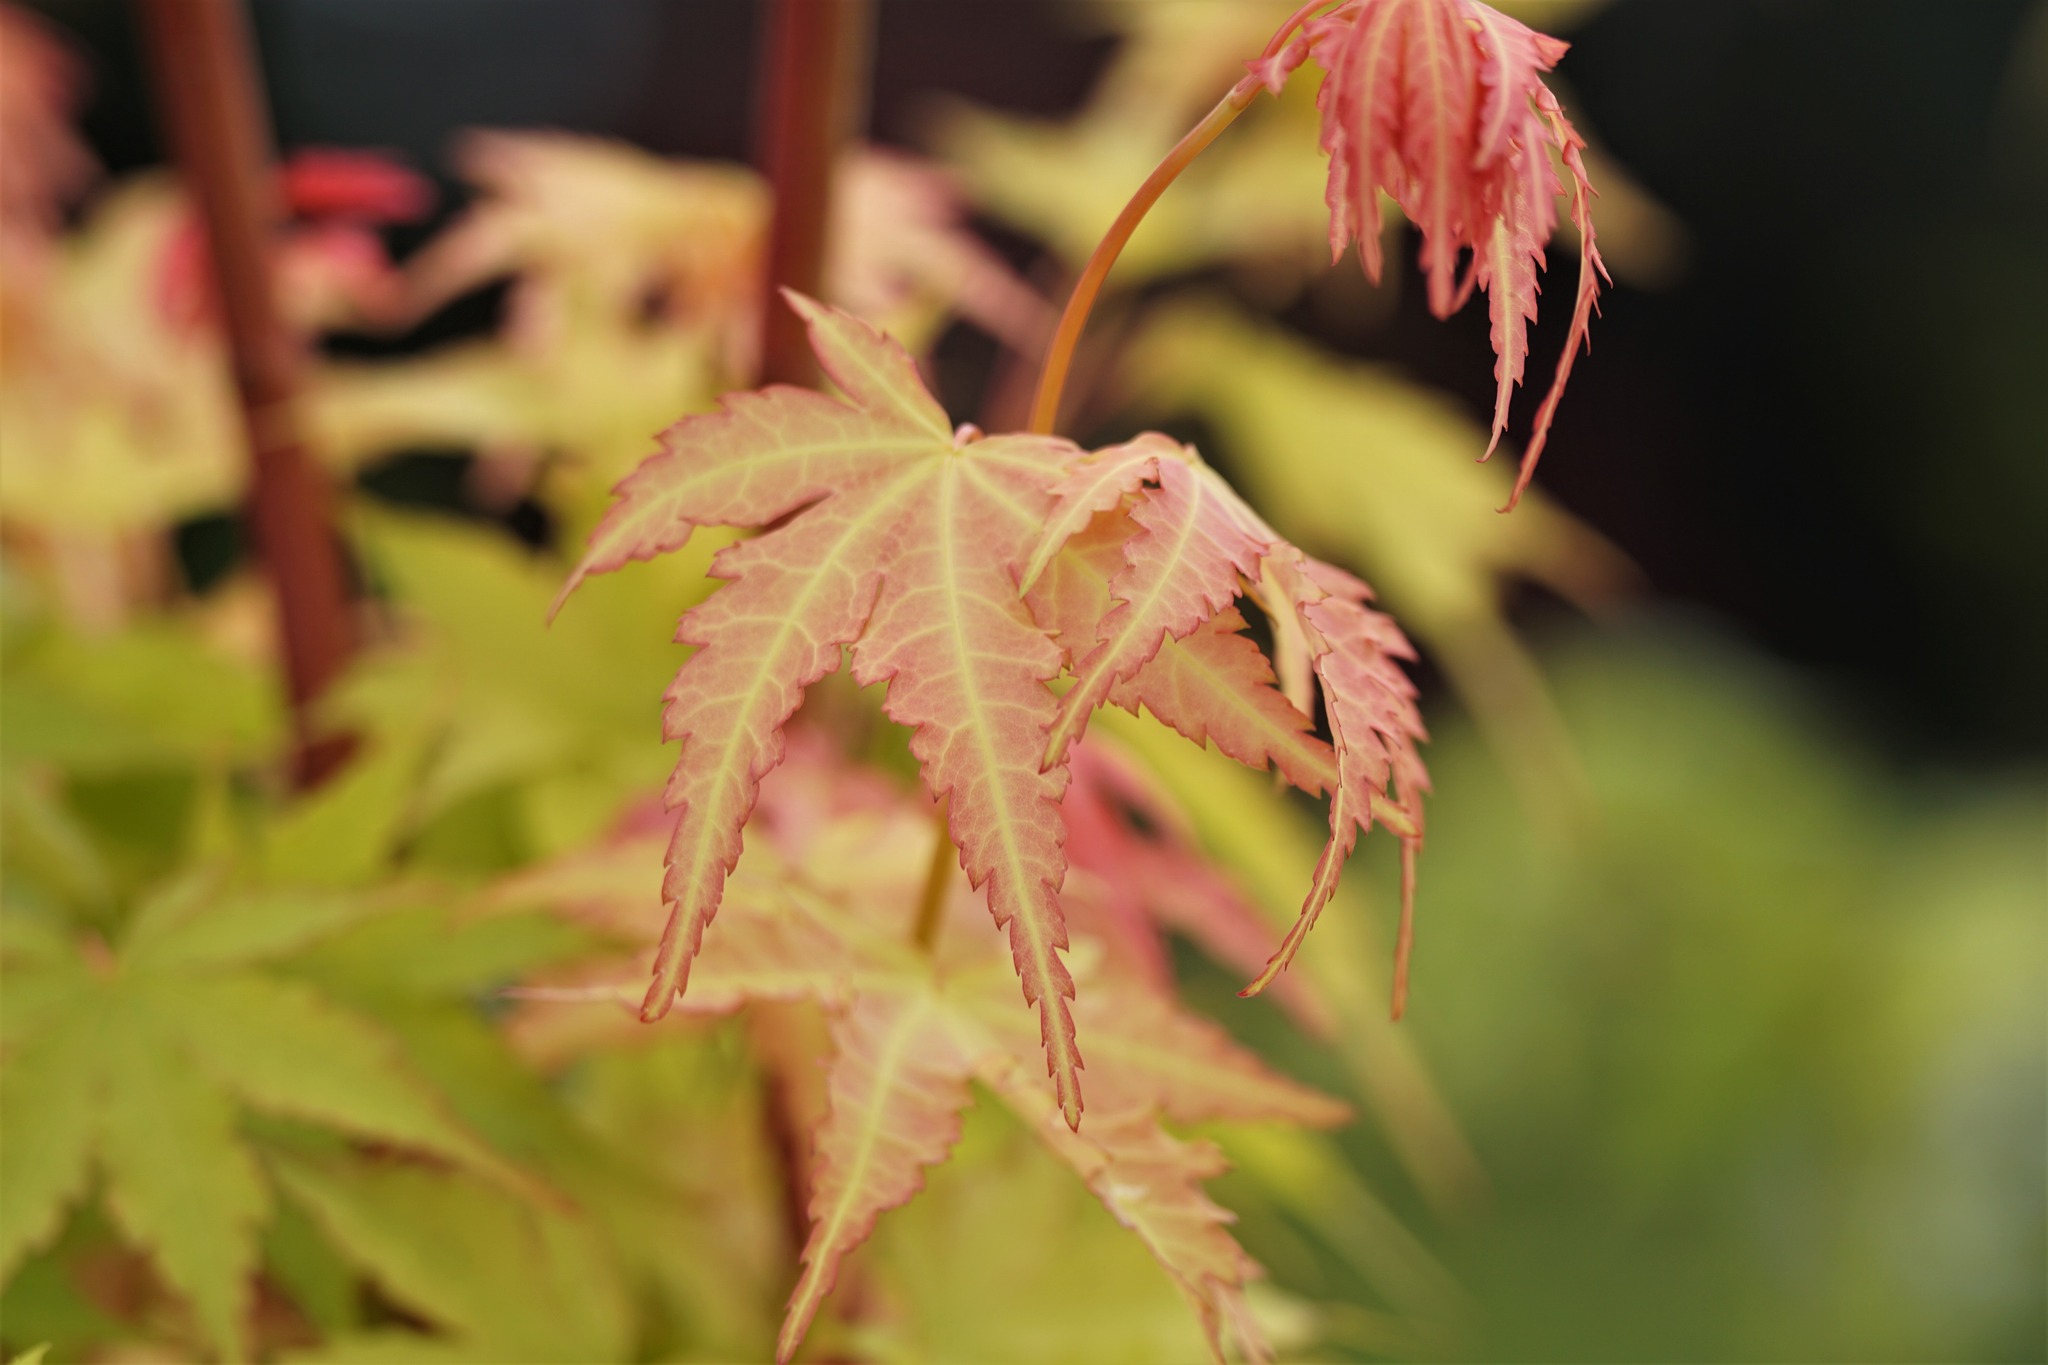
<point>813,82</point>
<point>210,98</point>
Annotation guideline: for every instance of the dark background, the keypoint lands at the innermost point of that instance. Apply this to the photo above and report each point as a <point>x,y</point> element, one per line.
<point>1825,432</point>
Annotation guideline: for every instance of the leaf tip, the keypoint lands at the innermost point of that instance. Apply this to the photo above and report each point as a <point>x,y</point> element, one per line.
<point>661,997</point>
<point>804,306</point>
<point>562,597</point>
<point>1263,980</point>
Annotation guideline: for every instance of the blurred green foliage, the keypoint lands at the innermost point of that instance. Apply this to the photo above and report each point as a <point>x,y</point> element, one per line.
<point>1756,1067</point>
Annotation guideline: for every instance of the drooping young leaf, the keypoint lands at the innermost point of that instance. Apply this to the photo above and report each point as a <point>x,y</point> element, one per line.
<point>912,1030</point>
<point>906,544</point>
<point>1440,103</point>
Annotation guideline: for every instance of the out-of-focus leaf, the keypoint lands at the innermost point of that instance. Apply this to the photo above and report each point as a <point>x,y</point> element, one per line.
<point>911,1039</point>
<point>47,846</point>
<point>139,1064</point>
<point>501,700</point>
<point>117,405</point>
<point>179,1180</point>
<point>184,928</point>
<point>51,1101</point>
<point>254,1036</point>
<point>344,833</point>
<point>509,1282</point>
<point>1257,194</point>
<point>605,347</point>
<point>150,695</point>
<point>1803,993</point>
<point>318,1281</point>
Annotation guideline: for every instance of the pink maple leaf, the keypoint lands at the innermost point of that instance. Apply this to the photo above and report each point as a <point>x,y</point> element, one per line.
<point>1440,103</point>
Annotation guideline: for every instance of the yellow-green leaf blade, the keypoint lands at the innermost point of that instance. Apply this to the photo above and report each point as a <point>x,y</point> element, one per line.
<point>51,1086</point>
<point>179,1180</point>
<point>280,1047</point>
<point>509,1281</point>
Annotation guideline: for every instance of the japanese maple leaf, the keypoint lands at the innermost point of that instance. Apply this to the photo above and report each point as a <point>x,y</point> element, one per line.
<point>1440,103</point>
<point>1160,537</point>
<point>965,572</point>
<point>897,536</point>
<point>819,912</point>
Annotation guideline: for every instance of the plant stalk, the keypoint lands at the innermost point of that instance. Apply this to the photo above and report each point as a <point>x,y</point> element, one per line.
<point>938,877</point>
<point>210,97</point>
<point>813,79</point>
<point>1059,356</point>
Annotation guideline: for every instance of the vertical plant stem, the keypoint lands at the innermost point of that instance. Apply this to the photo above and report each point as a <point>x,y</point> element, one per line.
<point>786,1040</point>
<point>812,78</point>
<point>814,89</point>
<point>931,906</point>
<point>210,98</point>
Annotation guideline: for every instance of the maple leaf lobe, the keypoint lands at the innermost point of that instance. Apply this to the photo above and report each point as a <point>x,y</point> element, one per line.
<point>1441,104</point>
<point>893,534</point>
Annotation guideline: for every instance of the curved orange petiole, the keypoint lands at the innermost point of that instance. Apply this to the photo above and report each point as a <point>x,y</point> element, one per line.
<point>1059,355</point>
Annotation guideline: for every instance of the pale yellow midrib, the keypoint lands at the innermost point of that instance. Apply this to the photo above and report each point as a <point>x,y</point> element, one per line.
<point>1042,955</point>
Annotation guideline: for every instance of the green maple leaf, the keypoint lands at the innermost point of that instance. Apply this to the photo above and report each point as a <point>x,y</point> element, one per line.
<point>139,1063</point>
<point>504,1280</point>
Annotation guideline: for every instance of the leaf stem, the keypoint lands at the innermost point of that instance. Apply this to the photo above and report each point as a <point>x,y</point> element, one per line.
<point>1404,938</point>
<point>931,906</point>
<point>1059,355</point>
